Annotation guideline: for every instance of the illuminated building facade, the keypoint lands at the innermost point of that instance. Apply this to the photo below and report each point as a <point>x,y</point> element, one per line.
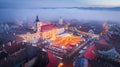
<point>49,30</point>
<point>46,30</point>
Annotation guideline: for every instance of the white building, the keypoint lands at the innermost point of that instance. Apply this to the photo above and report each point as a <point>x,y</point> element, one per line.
<point>60,30</point>
<point>60,20</point>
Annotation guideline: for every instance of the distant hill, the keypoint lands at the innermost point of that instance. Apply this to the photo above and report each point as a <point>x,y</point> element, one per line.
<point>86,8</point>
<point>99,8</point>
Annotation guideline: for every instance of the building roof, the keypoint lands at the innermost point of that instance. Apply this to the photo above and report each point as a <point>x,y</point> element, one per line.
<point>91,53</point>
<point>103,45</point>
<point>47,27</point>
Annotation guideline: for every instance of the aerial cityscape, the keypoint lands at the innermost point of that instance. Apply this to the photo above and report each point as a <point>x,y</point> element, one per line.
<point>41,33</point>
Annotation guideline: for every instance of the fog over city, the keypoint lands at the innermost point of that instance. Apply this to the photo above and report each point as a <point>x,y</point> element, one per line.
<point>13,15</point>
<point>27,10</point>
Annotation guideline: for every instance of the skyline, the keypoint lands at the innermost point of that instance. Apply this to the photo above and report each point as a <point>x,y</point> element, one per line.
<point>58,3</point>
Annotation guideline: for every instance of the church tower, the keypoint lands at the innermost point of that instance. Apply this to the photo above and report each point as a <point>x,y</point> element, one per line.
<point>38,24</point>
<point>60,21</point>
<point>35,23</point>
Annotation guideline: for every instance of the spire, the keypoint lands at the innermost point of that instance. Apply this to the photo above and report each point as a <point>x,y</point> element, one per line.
<point>37,19</point>
<point>60,17</point>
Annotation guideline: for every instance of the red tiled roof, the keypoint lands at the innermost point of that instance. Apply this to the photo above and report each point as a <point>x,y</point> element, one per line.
<point>91,53</point>
<point>103,45</point>
<point>46,27</point>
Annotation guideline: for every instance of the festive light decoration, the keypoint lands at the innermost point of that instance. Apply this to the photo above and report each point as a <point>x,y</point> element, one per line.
<point>67,40</point>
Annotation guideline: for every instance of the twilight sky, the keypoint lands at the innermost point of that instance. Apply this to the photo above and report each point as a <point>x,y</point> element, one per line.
<point>57,3</point>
